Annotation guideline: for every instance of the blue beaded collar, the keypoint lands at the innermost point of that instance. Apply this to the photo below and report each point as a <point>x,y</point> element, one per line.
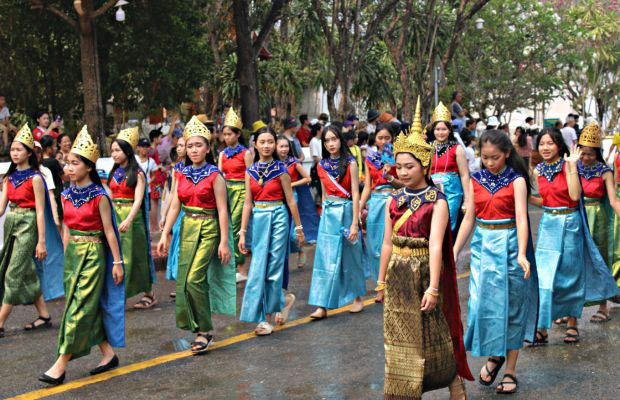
<point>18,177</point>
<point>290,161</point>
<point>330,165</point>
<point>549,171</point>
<point>198,174</point>
<point>80,196</point>
<point>264,172</point>
<point>233,151</point>
<point>179,166</point>
<point>415,199</point>
<point>375,159</point>
<point>494,183</point>
<point>119,175</point>
<point>594,171</point>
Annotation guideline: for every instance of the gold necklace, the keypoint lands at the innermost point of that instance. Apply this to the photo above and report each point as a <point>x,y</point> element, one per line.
<point>261,176</point>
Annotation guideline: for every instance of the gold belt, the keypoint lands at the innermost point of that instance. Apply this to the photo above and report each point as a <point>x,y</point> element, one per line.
<point>560,212</point>
<point>122,203</point>
<point>409,252</point>
<point>20,210</point>
<point>87,239</point>
<point>269,204</point>
<point>507,225</point>
<point>200,216</point>
<point>593,202</point>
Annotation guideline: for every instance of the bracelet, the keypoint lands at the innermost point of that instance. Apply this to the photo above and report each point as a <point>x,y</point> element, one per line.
<point>299,228</point>
<point>380,286</point>
<point>430,293</point>
<point>435,290</point>
<point>117,262</point>
<point>389,178</point>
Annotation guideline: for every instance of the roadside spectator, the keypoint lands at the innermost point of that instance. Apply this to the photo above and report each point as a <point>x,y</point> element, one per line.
<point>470,128</point>
<point>558,125</point>
<point>492,123</point>
<point>45,126</point>
<point>473,162</point>
<point>523,144</point>
<point>324,119</point>
<point>5,123</point>
<point>316,152</point>
<point>49,148</point>
<point>150,168</point>
<point>290,124</point>
<point>354,120</point>
<point>506,129</point>
<point>351,138</point>
<point>568,132</point>
<point>49,183</point>
<point>303,133</point>
<point>458,112</point>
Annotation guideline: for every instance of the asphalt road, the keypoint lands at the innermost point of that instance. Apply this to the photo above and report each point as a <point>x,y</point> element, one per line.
<point>337,358</point>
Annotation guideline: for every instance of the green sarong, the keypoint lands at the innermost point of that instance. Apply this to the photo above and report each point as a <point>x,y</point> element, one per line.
<point>236,199</point>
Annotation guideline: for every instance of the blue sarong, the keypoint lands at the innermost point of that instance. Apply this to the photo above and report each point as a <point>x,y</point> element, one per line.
<point>450,184</point>
<point>172,265</point>
<point>375,227</point>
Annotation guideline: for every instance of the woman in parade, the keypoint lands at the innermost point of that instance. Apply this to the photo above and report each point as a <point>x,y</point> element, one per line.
<point>572,270</point>
<point>233,161</point>
<point>172,264</point>
<point>268,187</point>
<point>338,272</point>
<point>94,288</point>
<point>127,183</point>
<point>379,183</point>
<point>26,277</point>
<point>423,335</point>
<point>449,170</point>
<point>503,293</point>
<point>597,181</point>
<point>205,278</point>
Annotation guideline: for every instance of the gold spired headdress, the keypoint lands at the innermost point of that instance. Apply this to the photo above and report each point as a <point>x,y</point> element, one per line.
<point>24,136</point>
<point>414,143</point>
<point>591,136</point>
<point>232,119</point>
<point>130,135</point>
<point>441,113</point>
<point>196,128</point>
<point>85,146</point>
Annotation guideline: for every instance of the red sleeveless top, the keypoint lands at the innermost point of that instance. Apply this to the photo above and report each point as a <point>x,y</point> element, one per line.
<point>494,195</point>
<point>270,173</point>
<point>327,180</point>
<point>84,218</point>
<point>200,194</point>
<point>233,163</point>
<point>444,159</point>
<point>552,185</point>
<point>121,190</point>
<point>23,195</point>
<point>592,180</point>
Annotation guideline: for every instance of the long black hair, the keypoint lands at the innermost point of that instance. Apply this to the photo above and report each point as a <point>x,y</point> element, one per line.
<point>451,137</point>
<point>208,157</point>
<point>259,132</point>
<point>33,161</point>
<point>132,164</point>
<point>503,143</point>
<point>522,137</point>
<point>93,174</point>
<point>556,137</point>
<point>345,153</point>
<point>238,132</point>
<point>290,147</point>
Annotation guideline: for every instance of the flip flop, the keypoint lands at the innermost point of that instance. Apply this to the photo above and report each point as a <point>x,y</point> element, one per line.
<point>492,373</point>
<point>500,387</point>
<point>600,317</point>
<point>145,302</point>
<point>282,317</point>
<point>263,329</point>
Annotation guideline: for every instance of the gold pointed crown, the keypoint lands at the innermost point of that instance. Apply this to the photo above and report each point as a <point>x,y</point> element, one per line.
<point>130,135</point>
<point>196,128</point>
<point>232,119</point>
<point>441,113</point>
<point>85,146</point>
<point>258,125</point>
<point>24,136</point>
<point>591,136</point>
<point>414,143</point>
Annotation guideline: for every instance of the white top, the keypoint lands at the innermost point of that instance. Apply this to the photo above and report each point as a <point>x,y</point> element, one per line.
<point>569,135</point>
<point>47,175</point>
<point>148,166</point>
<point>315,148</point>
<point>4,113</point>
<point>473,162</point>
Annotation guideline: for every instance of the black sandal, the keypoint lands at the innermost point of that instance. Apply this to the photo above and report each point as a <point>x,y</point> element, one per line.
<point>500,387</point>
<point>600,317</point>
<point>200,348</point>
<point>492,374</point>
<point>571,338</point>
<point>47,323</point>
<point>540,338</point>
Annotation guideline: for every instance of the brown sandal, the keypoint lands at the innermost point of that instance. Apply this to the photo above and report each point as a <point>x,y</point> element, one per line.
<point>571,338</point>
<point>146,302</point>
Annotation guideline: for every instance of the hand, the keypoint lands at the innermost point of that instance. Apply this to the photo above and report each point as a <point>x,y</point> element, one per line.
<point>353,233</point>
<point>300,237</point>
<point>223,253</point>
<point>41,251</point>
<point>124,226</point>
<point>117,273</point>
<point>575,154</point>
<point>428,302</point>
<point>525,264</point>
<point>162,223</point>
<point>54,124</point>
<point>379,296</point>
<point>162,246</point>
<point>241,245</point>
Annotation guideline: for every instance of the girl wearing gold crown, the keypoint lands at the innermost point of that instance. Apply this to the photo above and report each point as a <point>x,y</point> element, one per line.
<point>94,287</point>
<point>597,181</point>
<point>267,187</point>
<point>206,276</point>
<point>423,335</point>
<point>127,183</point>
<point>233,161</point>
<point>449,169</point>
<point>571,269</point>
<point>503,293</point>
<point>28,230</point>
<point>338,272</point>
<point>379,183</point>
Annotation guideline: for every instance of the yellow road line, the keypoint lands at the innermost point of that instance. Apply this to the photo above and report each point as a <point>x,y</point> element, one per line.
<point>128,369</point>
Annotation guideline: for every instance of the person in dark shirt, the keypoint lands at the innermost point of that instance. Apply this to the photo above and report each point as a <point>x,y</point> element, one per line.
<point>48,143</point>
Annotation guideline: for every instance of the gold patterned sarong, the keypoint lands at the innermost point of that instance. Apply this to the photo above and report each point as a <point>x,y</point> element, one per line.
<point>418,349</point>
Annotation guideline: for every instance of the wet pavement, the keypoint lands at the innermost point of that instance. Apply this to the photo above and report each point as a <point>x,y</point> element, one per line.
<point>337,358</point>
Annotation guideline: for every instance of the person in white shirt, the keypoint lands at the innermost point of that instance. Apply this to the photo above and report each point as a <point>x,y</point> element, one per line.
<point>568,132</point>
<point>49,182</point>
<point>315,143</point>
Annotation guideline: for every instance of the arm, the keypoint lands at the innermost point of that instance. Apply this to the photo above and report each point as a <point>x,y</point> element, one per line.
<point>366,192</point>
<point>467,226</point>
<point>520,189</point>
<point>4,199</point>
<point>105,210</point>
<point>355,197</point>
<point>39,200</point>
<point>285,179</point>
<point>302,156</point>
<point>533,200</point>
<point>166,204</point>
<point>245,215</point>
<point>248,159</point>
<point>572,176</point>
<point>219,162</point>
<point>221,200</point>
<point>65,237</point>
<point>439,222</point>
<point>137,203</point>
<point>173,213</point>
<point>386,248</point>
<point>461,161</point>
<point>305,178</point>
<point>54,206</point>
